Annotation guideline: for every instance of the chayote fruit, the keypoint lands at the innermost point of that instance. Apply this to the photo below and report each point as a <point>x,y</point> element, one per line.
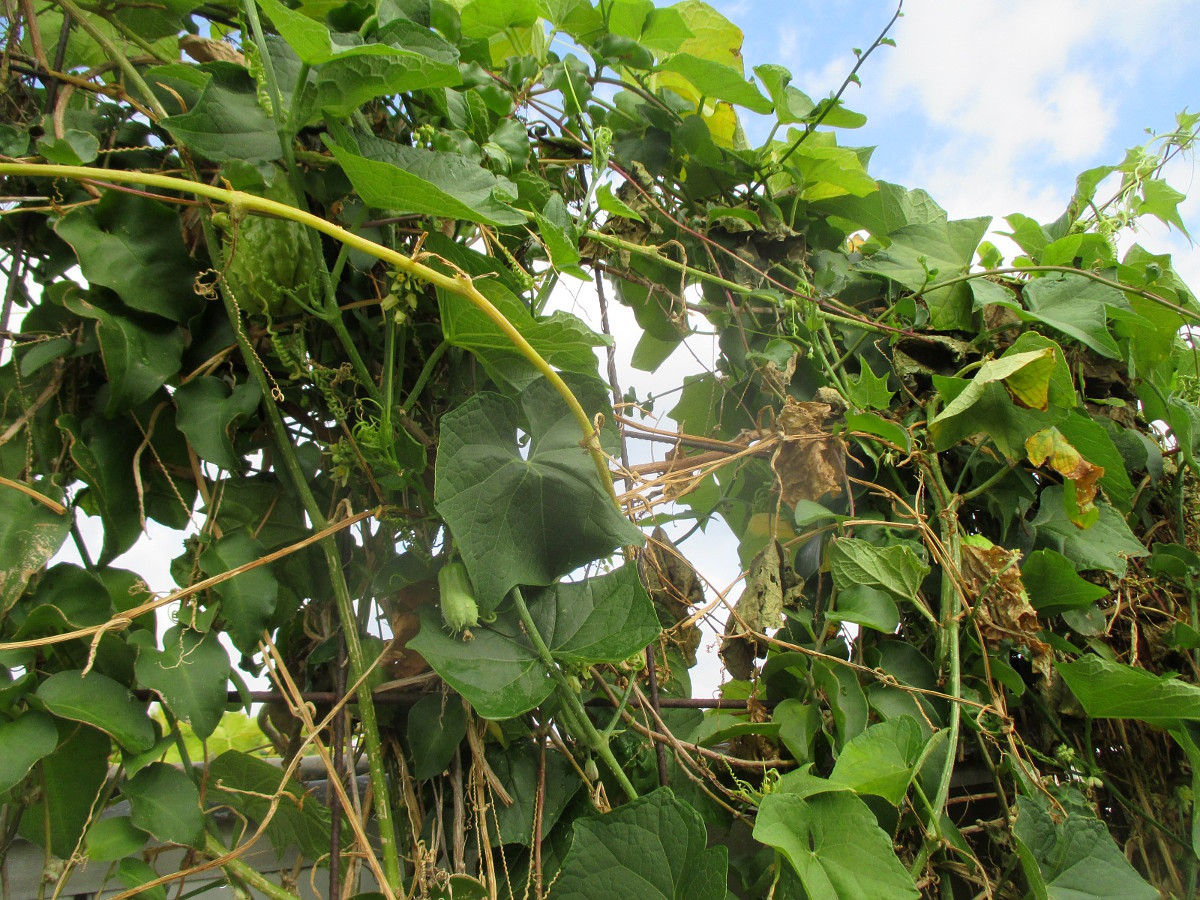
<point>271,266</point>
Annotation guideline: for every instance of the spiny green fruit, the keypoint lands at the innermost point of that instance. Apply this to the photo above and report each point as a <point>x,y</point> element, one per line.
<point>272,268</point>
<point>459,609</point>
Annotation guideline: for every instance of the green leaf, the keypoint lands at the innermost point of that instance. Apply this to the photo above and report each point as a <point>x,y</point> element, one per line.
<point>30,535</point>
<point>518,767</point>
<point>882,760</point>
<point>23,742</point>
<point>799,724</point>
<point>895,568</point>
<point>207,409</point>
<point>922,255</point>
<point>1024,375</point>
<point>517,519</point>
<point>228,122</point>
<point>835,845</point>
<point>1162,201</point>
<point>140,355</point>
<point>190,673</point>
<point>1094,442</point>
<point>97,700</point>
<point>1075,305</point>
<point>791,105</point>
<point>1054,585</point>
<point>562,339</point>
<point>114,838</point>
<point>74,148</point>
<point>72,778</point>
<point>103,460</point>
<point>604,619</point>
<point>867,391</point>
<point>1107,544</point>
<point>429,182</point>
<point>886,210</point>
<point>495,669</point>
<point>1110,690</point>
<point>135,247</point>
<point>611,204</point>
<point>343,85</point>
<point>715,80</point>
<point>846,699</point>
<point>436,726</point>
<point>867,606</point>
<point>1068,853</point>
<point>247,600</point>
<point>653,847</point>
<point>246,784</point>
<point>164,803</point>
<point>134,872</point>
<point>312,41</point>
<point>870,423</point>
<point>487,18</point>
<point>826,170</point>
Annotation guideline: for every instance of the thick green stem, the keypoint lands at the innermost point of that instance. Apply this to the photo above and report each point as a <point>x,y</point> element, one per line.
<point>243,872</point>
<point>570,700</point>
<point>459,283</point>
<point>337,577</point>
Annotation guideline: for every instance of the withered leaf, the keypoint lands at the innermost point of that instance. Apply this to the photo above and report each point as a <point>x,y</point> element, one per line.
<point>1002,608</point>
<point>810,462</point>
<point>770,586</point>
<point>674,589</point>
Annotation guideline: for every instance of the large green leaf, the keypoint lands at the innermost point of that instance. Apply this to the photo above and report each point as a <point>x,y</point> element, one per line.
<point>1068,854</point>
<point>494,667</point>
<point>436,726</point>
<point>835,845</point>
<point>1108,544</point>
<point>599,620</point>
<point>524,519</point>
<point>135,247</point>
<point>886,210</point>
<point>30,534</point>
<point>190,673</point>
<point>429,182</point>
<point>103,457</point>
<point>164,802</point>
<point>923,254</point>
<point>519,768</point>
<point>654,847</point>
<point>227,123</point>
<point>248,599</point>
<point>72,778</point>
<point>246,784</point>
<point>604,619</point>
<point>717,81</point>
<point>881,760</point>
<point>23,742</point>
<point>1054,585</point>
<point>1009,399</point>
<point>140,354</point>
<point>896,568</point>
<point>1110,690</point>
<point>97,700</point>
<point>207,408</point>
<point>1071,304</point>
<point>114,838</point>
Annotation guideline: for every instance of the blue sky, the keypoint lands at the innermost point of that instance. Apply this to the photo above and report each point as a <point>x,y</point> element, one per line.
<point>994,107</point>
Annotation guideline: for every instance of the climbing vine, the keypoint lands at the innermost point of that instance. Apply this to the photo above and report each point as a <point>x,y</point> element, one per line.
<point>288,279</point>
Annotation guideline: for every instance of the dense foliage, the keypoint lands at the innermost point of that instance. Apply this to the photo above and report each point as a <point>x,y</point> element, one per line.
<point>282,277</point>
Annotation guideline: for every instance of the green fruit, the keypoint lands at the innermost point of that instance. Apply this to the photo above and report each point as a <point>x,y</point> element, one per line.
<point>272,269</point>
<point>459,609</point>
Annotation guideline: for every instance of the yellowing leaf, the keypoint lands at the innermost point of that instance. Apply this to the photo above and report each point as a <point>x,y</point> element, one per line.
<point>1049,446</point>
<point>1030,383</point>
